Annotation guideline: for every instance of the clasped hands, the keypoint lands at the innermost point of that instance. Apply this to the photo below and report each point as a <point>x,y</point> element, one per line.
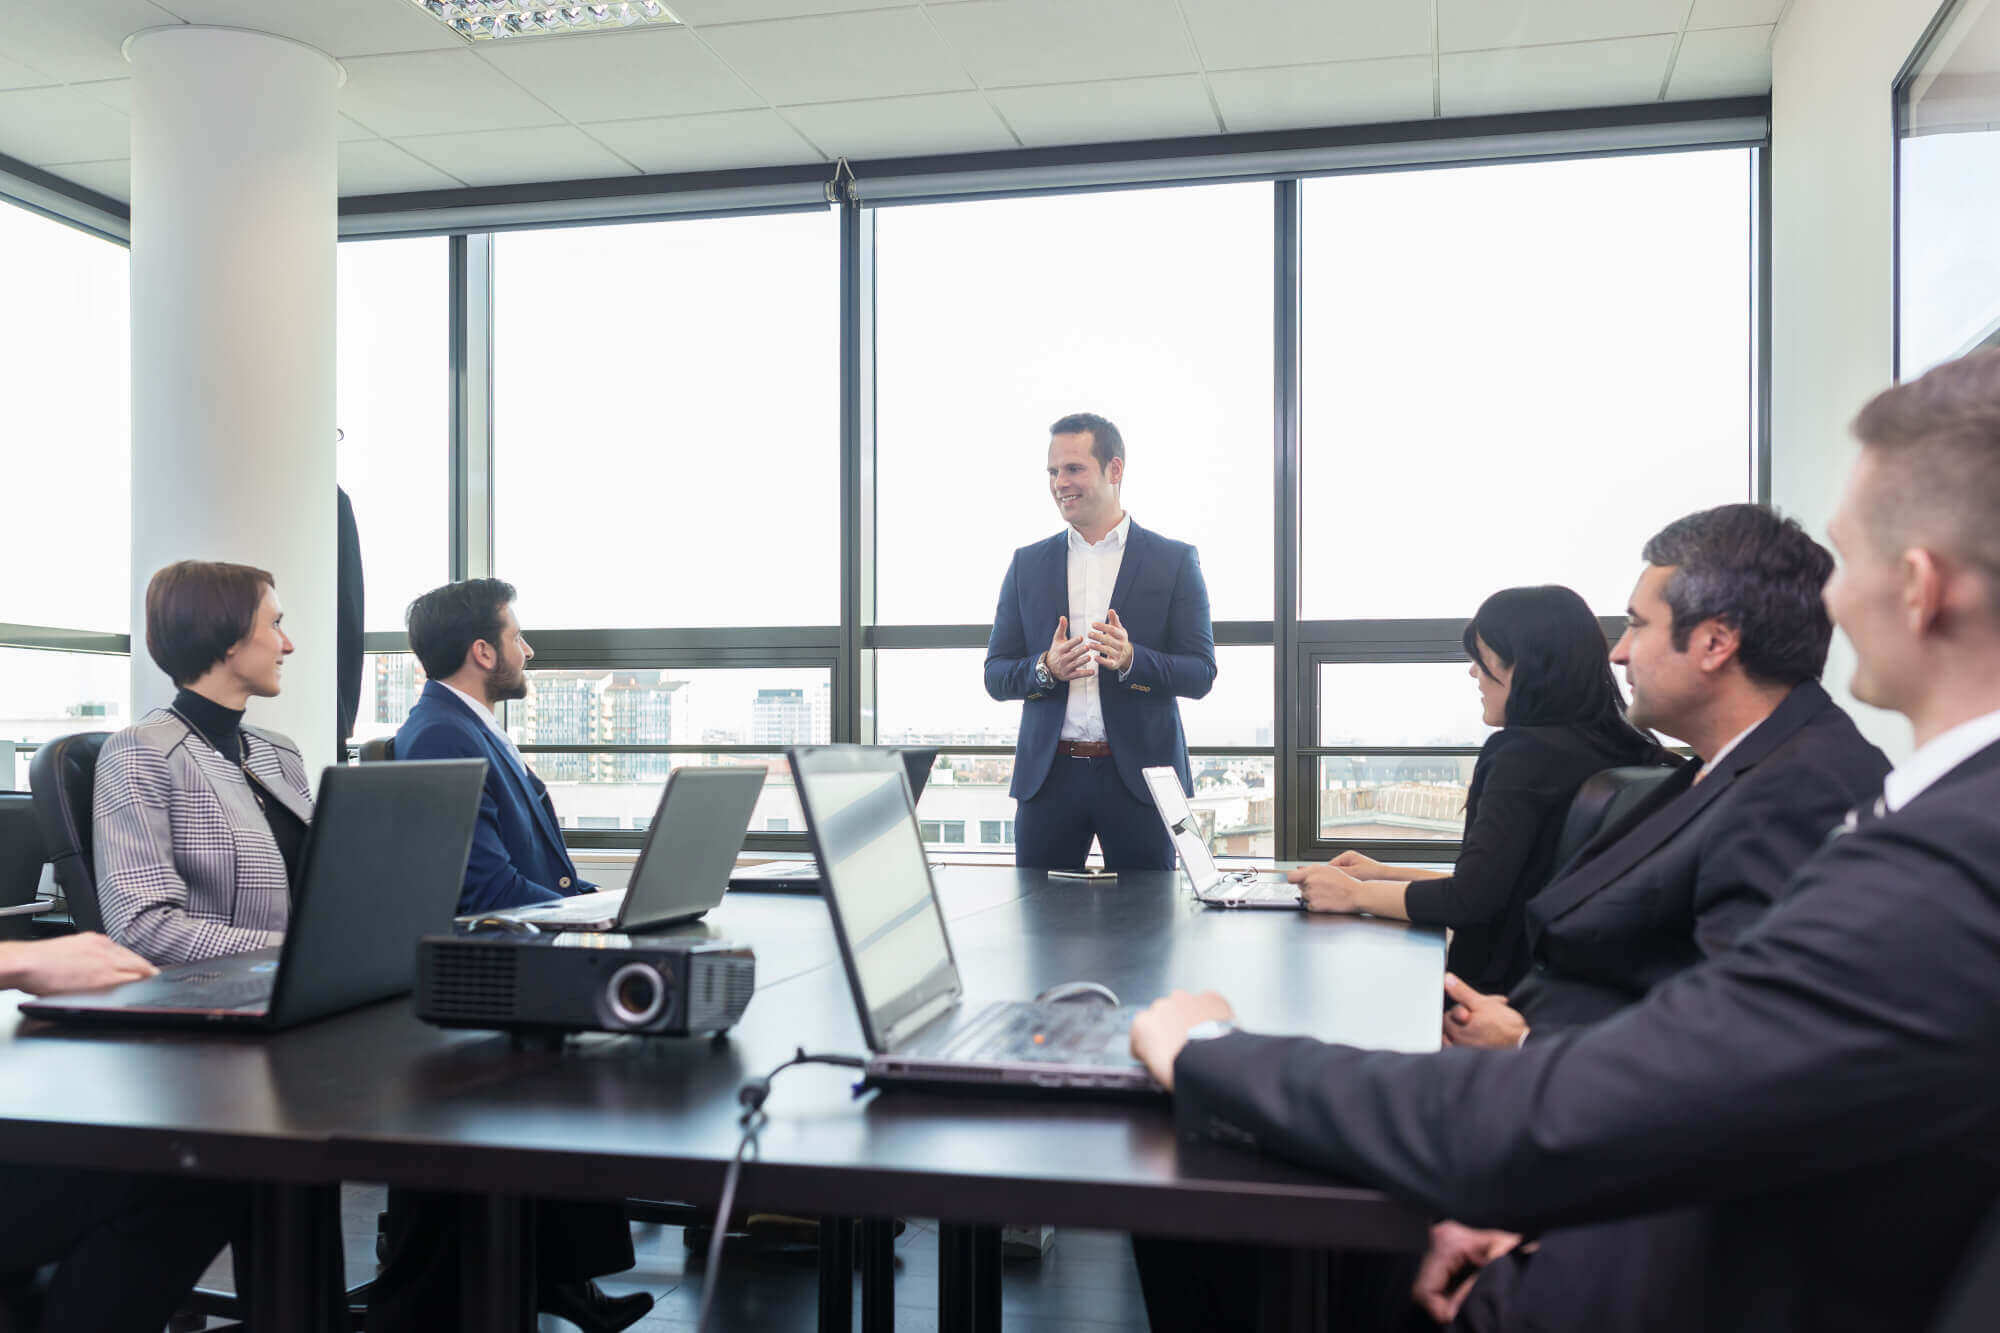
<point>1335,886</point>
<point>1106,642</point>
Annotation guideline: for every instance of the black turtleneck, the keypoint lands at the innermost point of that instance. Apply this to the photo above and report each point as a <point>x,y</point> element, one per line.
<point>222,728</point>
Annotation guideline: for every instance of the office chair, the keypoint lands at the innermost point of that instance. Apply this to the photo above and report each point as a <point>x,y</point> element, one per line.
<point>62,778</point>
<point>21,861</point>
<point>1603,800</point>
<point>379,750</point>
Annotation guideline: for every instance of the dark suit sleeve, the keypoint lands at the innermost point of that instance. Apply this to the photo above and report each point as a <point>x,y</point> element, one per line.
<point>1513,802</point>
<point>1011,652</point>
<point>1749,858</point>
<point>1184,664</point>
<point>491,881</point>
<point>1858,1023</point>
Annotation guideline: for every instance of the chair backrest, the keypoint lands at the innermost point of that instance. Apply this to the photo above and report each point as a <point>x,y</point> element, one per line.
<point>1603,800</point>
<point>378,750</point>
<point>21,854</point>
<point>63,779</point>
<point>1972,1301</point>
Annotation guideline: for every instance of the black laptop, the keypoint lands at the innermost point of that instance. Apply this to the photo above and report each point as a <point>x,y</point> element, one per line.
<point>682,870</point>
<point>900,964</point>
<point>384,863</point>
<point>804,876</point>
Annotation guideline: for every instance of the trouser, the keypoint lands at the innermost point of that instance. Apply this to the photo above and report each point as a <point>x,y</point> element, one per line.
<point>418,1289</point>
<point>128,1248</point>
<point>1081,798</point>
<point>1203,1286</point>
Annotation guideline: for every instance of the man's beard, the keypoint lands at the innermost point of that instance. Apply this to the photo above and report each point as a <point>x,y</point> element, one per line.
<point>499,687</point>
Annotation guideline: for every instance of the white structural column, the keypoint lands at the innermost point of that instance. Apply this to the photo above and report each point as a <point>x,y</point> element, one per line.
<point>233,254</point>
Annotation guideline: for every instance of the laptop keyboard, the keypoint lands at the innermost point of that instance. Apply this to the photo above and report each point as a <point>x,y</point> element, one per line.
<point>591,907</point>
<point>1051,1033</point>
<point>207,990</point>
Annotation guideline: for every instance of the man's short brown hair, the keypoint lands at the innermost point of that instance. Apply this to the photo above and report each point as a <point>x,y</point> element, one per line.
<point>197,610</point>
<point>1937,443</point>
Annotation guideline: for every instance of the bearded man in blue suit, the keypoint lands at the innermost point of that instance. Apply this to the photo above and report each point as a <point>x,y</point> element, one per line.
<point>1123,613</point>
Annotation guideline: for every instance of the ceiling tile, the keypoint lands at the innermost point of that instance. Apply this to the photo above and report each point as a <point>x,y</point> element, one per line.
<point>624,75</point>
<point>112,178</point>
<point>13,74</point>
<point>1237,34</point>
<point>903,126</point>
<point>872,55</point>
<point>436,92</point>
<point>1550,78</point>
<point>42,125</point>
<point>114,93</point>
<point>375,166</point>
<point>346,131</point>
<point>1014,42</point>
<point>505,157</point>
<point>347,28</point>
<point>1735,13</point>
<point>700,12</point>
<point>1165,108</point>
<point>1722,62</point>
<point>78,39</point>
<point>1354,92</point>
<point>706,143</point>
<point>1480,25</point>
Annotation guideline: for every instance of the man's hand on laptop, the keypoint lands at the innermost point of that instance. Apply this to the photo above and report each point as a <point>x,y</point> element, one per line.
<point>1069,658</point>
<point>1160,1032</point>
<point>1477,1019</point>
<point>69,963</point>
<point>1327,888</point>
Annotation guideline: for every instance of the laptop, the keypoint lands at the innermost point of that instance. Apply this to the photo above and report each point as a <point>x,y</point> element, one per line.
<point>384,862</point>
<point>803,876</point>
<point>1213,886</point>
<point>899,960</point>
<point>683,868</point>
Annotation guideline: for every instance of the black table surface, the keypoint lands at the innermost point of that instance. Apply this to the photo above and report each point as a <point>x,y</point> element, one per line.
<point>377,1095</point>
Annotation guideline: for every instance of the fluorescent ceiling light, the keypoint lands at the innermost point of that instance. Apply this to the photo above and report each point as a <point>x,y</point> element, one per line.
<point>494,20</point>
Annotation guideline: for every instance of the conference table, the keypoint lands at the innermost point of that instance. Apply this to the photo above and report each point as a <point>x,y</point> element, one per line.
<point>376,1095</point>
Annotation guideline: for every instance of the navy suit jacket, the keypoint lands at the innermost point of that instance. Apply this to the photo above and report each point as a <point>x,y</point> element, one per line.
<point>518,855</point>
<point>1162,602</point>
<point>1826,1093</point>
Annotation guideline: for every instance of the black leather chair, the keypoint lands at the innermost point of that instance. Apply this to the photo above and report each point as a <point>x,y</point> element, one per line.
<point>1603,800</point>
<point>21,862</point>
<point>63,779</point>
<point>379,750</point>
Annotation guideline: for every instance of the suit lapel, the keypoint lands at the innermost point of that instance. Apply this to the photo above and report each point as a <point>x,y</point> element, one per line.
<point>501,756</point>
<point>1642,839</point>
<point>269,769</point>
<point>1135,540</point>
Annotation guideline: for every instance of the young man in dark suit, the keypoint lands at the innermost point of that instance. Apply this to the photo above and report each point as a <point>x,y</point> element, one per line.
<point>471,647</point>
<point>1123,613</point>
<point>1825,1096</point>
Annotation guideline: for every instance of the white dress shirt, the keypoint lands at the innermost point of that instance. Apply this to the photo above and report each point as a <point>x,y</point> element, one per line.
<point>1937,757</point>
<point>1708,765</point>
<point>1093,573</point>
<point>485,715</point>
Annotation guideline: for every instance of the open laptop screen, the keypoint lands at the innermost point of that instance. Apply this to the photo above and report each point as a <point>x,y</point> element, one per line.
<point>878,884</point>
<point>1165,784</point>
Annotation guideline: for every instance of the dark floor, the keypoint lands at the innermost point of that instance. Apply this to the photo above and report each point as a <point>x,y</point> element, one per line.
<point>1085,1284</point>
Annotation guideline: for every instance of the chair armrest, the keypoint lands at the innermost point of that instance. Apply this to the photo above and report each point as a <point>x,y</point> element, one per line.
<point>35,907</point>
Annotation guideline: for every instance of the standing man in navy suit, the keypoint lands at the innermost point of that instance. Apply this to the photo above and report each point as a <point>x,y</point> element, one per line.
<point>1124,614</point>
<point>470,645</point>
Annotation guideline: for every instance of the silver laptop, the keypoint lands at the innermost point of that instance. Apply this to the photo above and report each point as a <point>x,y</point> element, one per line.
<point>683,868</point>
<point>899,960</point>
<point>1213,886</point>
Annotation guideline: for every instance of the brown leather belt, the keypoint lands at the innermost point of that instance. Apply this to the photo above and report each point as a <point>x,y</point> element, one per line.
<point>1084,749</point>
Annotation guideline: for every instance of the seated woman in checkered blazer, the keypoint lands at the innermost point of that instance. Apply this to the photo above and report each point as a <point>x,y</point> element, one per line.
<point>200,820</point>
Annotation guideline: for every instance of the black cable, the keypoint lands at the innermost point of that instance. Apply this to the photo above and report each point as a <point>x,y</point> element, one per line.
<point>752,1095</point>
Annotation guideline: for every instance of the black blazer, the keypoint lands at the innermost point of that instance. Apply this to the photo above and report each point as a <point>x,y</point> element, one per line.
<point>1521,791</point>
<point>1827,1092</point>
<point>349,600</point>
<point>1695,865</point>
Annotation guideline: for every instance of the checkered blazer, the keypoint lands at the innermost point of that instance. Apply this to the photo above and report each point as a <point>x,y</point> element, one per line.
<point>186,865</point>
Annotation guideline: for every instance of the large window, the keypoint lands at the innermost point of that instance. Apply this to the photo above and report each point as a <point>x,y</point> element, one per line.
<point>666,423</point>
<point>394,402</point>
<point>1948,151</point>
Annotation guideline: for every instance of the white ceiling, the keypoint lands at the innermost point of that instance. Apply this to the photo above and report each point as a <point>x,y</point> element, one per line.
<point>781,82</point>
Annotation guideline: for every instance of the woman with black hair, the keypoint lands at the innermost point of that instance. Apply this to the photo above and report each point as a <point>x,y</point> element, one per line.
<point>1544,677</point>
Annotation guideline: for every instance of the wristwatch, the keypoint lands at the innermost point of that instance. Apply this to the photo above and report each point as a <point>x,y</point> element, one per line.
<point>1210,1029</point>
<point>1043,677</point>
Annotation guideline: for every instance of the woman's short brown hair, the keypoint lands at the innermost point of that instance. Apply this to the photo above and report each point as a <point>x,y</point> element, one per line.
<point>197,610</point>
